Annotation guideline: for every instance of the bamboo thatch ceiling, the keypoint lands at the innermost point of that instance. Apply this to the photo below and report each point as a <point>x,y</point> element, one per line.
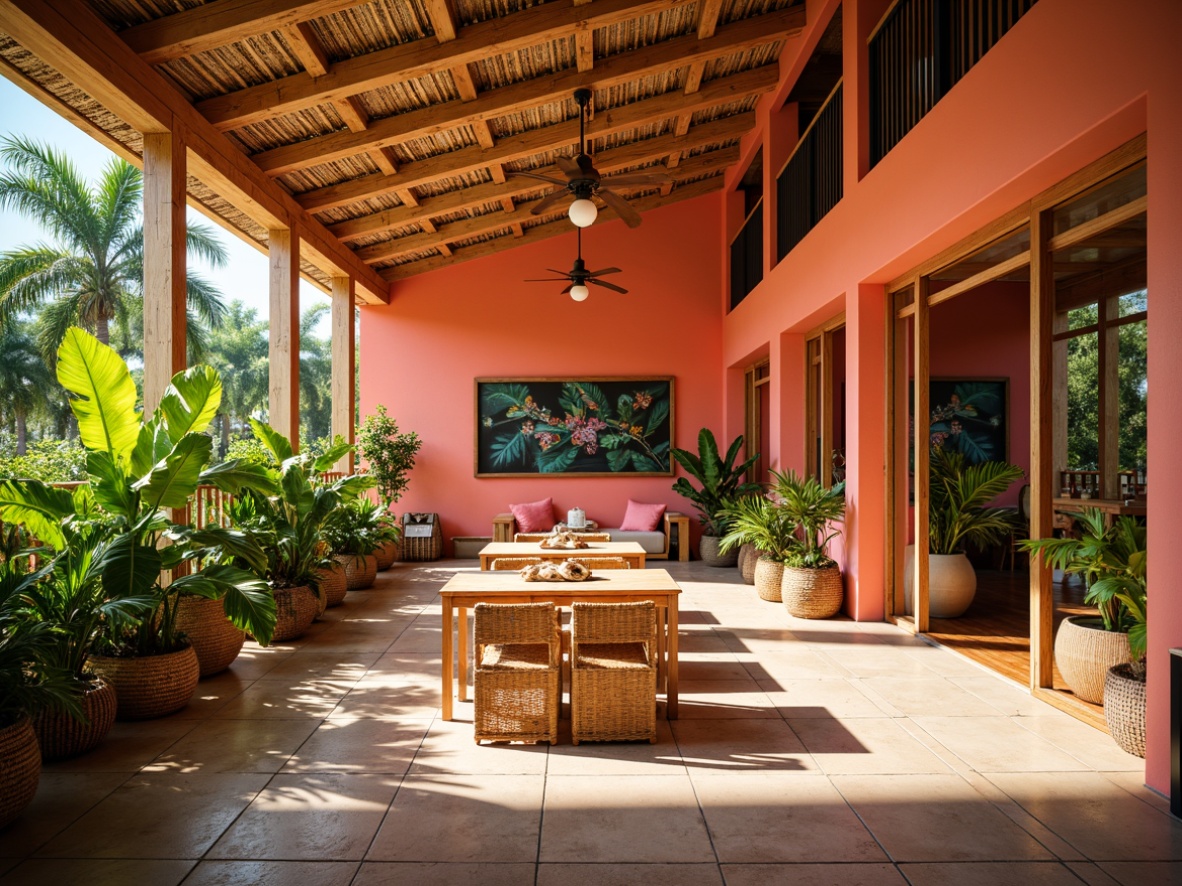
<point>399,123</point>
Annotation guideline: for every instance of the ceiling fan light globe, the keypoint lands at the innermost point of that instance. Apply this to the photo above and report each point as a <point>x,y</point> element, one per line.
<point>582,212</point>
<point>579,292</point>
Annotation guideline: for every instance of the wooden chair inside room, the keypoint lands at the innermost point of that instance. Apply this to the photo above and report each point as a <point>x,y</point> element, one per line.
<point>517,680</point>
<point>613,667</point>
<point>507,563</point>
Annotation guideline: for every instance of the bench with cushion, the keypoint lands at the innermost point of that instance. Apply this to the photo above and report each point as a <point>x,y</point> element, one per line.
<point>656,542</point>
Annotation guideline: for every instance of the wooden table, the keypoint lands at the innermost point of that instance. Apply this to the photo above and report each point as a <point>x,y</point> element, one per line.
<point>1112,507</point>
<point>628,550</point>
<point>465,589</point>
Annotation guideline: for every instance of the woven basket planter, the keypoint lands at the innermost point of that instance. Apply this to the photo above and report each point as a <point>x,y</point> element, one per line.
<point>61,736</point>
<point>769,575</point>
<point>149,686</point>
<point>361,570</point>
<point>748,557</point>
<point>1124,708</point>
<point>213,636</point>
<point>295,610</point>
<point>20,768</point>
<point>711,556</point>
<point>385,554</point>
<point>812,593</point>
<point>1084,652</point>
<point>333,584</point>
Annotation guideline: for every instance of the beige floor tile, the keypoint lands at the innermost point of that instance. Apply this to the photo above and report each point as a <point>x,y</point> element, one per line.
<point>725,747</point>
<point>778,817</point>
<point>1096,816</point>
<point>62,798</point>
<point>99,872</point>
<point>409,666</point>
<point>865,746</point>
<point>829,699</point>
<point>790,663</point>
<point>372,699</point>
<point>1134,783</point>
<point>629,875</point>
<point>273,873</point>
<point>1143,873</point>
<point>723,699</point>
<point>1087,744</point>
<point>212,694</point>
<point>323,665</point>
<point>235,746</point>
<point>256,661</point>
<point>712,669</point>
<point>1009,698</point>
<point>360,745</point>
<point>323,816</point>
<point>872,659</point>
<point>812,875</point>
<point>285,700</point>
<point>158,815</point>
<point>936,818</point>
<point>914,696</point>
<point>997,744</point>
<point>1091,874</point>
<point>128,746</point>
<point>607,819</point>
<point>462,818</point>
<point>425,635</point>
<point>449,746</point>
<point>438,873</point>
<point>989,874</point>
<point>616,757</point>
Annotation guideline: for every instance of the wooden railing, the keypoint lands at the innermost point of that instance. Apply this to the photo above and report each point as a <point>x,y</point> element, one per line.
<point>810,184</point>
<point>747,256</point>
<point>920,50</point>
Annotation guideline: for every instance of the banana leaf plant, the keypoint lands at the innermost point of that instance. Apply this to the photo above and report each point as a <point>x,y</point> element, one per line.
<point>719,478</point>
<point>142,471</point>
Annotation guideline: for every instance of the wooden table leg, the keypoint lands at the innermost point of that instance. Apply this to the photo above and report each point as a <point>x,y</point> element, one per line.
<point>462,650</point>
<point>447,659</point>
<point>671,666</point>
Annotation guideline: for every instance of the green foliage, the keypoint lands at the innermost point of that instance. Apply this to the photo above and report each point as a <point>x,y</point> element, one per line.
<point>813,509</point>
<point>360,527</point>
<point>53,461</point>
<point>958,511</point>
<point>757,520</point>
<point>720,480</point>
<point>389,454</point>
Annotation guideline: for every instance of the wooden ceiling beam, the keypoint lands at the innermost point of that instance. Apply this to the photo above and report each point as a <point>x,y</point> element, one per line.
<point>307,48</point>
<point>606,162</point>
<point>220,22</point>
<point>495,37</point>
<point>428,121</point>
<point>708,13</point>
<point>543,232</point>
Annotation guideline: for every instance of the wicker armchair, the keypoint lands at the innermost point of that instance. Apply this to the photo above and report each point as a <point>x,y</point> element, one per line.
<point>507,563</point>
<point>597,563</point>
<point>517,680</point>
<point>613,663</point>
<point>535,537</point>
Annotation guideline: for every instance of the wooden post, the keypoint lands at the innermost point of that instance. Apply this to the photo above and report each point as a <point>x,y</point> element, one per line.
<point>1042,443</point>
<point>344,354</point>
<point>1108,311</point>
<point>284,388</point>
<point>922,443</point>
<point>165,320</point>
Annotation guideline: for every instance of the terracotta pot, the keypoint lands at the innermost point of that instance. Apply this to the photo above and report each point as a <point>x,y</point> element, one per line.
<point>711,555</point>
<point>213,636</point>
<point>295,610</point>
<point>1084,652</point>
<point>385,554</point>
<point>768,575</point>
<point>361,570</point>
<point>1124,708</point>
<point>20,768</point>
<point>333,584</point>
<point>149,686</point>
<point>812,593</point>
<point>952,584</point>
<point>61,736</point>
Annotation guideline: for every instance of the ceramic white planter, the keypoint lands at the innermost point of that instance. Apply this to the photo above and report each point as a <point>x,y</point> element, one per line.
<point>952,583</point>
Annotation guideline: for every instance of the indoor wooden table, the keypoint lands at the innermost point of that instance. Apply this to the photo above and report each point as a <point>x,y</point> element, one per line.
<point>1112,507</point>
<point>628,550</point>
<point>465,589</point>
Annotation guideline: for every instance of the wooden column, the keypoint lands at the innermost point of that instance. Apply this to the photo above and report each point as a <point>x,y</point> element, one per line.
<point>165,320</point>
<point>922,443</point>
<point>284,387</point>
<point>1108,311</point>
<point>1043,479</point>
<point>344,358</point>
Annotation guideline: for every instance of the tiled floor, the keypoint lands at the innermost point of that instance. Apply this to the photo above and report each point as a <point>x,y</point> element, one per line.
<point>807,753</point>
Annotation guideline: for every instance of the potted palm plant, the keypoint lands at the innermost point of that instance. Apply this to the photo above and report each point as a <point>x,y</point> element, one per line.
<point>758,521</point>
<point>959,514</point>
<point>721,485</point>
<point>389,455</point>
<point>811,582</point>
<point>1112,563</point>
<point>353,533</point>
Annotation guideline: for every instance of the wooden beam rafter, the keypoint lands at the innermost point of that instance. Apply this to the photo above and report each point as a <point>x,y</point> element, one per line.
<point>708,12</point>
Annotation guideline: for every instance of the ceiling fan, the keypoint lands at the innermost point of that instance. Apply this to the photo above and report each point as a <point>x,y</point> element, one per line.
<point>579,276</point>
<point>584,182</point>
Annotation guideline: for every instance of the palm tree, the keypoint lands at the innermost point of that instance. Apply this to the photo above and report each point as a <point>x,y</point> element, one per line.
<point>315,375</point>
<point>25,379</point>
<point>94,271</point>
<point>238,350</point>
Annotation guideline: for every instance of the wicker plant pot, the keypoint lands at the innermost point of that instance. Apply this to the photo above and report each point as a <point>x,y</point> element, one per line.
<point>20,768</point>
<point>61,736</point>
<point>711,556</point>
<point>213,636</point>
<point>361,570</point>
<point>385,554</point>
<point>1084,652</point>
<point>769,574</point>
<point>812,593</point>
<point>1124,708</point>
<point>295,610</point>
<point>149,686</point>
<point>748,557</point>
<point>333,584</point>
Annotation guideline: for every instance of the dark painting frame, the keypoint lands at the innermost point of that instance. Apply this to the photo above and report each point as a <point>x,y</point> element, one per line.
<point>971,415</point>
<point>586,426</point>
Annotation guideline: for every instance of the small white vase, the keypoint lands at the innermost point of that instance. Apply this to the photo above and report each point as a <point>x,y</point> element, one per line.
<point>952,584</point>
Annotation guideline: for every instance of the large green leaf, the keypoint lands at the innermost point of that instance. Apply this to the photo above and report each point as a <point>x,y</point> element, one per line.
<point>129,569</point>
<point>105,393</point>
<point>174,479</point>
<point>235,475</point>
<point>36,506</point>
<point>109,484</point>
<point>278,445</point>
<point>331,456</point>
<point>191,401</point>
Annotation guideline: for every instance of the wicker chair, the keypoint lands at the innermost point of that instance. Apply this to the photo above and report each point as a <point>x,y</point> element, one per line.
<point>613,663</point>
<point>506,563</point>
<point>517,679</point>
<point>535,537</point>
<point>597,563</point>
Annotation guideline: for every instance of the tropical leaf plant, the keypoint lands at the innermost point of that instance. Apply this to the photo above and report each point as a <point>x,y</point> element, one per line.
<point>958,507</point>
<point>720,478</point>
<point>759,521</point>
<point>813,509</point>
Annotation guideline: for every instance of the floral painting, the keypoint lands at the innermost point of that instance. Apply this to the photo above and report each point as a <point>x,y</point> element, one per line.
<point>604,426</point>
<point>969,415</point>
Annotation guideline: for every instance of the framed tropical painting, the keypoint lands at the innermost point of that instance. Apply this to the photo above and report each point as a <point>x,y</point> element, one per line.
<point>970,415</point>
<point>605,427</point>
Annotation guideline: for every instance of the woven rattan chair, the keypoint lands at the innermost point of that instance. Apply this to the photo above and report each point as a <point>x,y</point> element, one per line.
<point>613,664</point>
<point>517,679</point>
<point>535,537</point>
<point>506,563</point>
<point>597,563</point>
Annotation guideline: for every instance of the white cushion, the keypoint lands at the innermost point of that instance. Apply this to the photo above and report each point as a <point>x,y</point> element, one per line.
<point>652,542</point>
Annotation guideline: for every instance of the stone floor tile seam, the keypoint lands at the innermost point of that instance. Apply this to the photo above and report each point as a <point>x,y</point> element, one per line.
<point>1023,818</point>
<point>862,821</point>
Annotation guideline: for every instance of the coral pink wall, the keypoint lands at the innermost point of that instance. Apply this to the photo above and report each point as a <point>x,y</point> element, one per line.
<point>420,354</point>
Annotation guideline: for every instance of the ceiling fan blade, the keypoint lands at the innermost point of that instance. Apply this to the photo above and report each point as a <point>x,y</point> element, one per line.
<point>630,216</point>
<point>568,165</point>
<point>546,178</point>
<point>612,286</point>
<point>601,273</point>
<point>548,201</point>
<point>545,279</point>
<point>568,289</point>
<point>563,274</point>
<point>640,178</point>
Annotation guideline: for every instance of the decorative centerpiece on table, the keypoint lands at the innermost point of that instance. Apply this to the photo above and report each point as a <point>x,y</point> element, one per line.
<point>563,540</point>
<point>565,570</point>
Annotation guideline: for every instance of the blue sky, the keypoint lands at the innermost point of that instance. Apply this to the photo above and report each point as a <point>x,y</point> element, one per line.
<point>243,277</point>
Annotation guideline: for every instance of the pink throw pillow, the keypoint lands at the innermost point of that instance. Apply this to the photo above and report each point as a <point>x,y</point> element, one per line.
<point>640,517</point>
<point>534,516</point>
